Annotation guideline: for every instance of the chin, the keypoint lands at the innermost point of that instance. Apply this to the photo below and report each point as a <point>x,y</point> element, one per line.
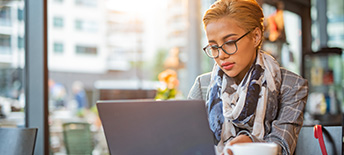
<point>231,74</point>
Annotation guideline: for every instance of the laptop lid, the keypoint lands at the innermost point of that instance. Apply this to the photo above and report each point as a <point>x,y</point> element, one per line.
<point>173,127</point>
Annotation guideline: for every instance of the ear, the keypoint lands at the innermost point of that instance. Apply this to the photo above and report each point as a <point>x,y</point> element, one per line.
<point>257,36</point>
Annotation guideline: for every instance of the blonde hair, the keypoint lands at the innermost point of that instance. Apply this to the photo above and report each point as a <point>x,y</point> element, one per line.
<point>247,13</point>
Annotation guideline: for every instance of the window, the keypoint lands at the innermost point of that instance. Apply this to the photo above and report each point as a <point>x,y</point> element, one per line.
<point>5,16</point>
<point>288,52</point>
<point>58,1</point>
<point>58,47</point>
<point>78,24</point>
<point>88,26</point>
<point>58,22</point>
<point>89,3</point>
<point>335,23</point>
<point>110,40</point>
<point>20,42</point>
<point>5,44</point>
<point>12,64</point>
<point>86,50</point>
<point>327,24</point>
<point>20,14</point>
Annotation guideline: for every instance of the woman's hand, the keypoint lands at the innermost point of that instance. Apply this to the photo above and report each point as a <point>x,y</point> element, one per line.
<point>236,140</point>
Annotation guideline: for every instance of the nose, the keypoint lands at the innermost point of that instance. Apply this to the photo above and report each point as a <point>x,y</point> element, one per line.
<point>222,54</point>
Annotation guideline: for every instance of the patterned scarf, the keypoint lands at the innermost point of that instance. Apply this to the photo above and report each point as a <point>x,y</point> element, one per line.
<point>232,107</point>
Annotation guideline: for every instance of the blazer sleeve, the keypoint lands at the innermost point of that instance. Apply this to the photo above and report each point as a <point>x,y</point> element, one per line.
<point>199,89</point>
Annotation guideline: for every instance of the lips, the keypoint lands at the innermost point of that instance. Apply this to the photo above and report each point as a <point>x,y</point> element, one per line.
<point>227,65</point>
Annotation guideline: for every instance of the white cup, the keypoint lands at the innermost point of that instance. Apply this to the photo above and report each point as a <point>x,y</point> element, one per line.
<point>252,148</point>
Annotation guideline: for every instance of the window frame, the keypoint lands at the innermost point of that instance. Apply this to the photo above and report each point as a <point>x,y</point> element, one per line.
<point>36,72</point>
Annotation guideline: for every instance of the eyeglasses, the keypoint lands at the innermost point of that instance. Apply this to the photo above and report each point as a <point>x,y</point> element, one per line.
<point>230,46</point>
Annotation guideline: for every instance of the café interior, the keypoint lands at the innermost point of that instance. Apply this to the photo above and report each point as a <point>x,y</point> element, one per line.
<point>59,57</point>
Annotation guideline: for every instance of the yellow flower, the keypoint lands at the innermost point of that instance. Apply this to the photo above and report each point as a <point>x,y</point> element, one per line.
<point>169,77</point>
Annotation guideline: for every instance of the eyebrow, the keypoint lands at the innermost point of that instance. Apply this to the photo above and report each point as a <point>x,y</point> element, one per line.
<point>223,38</point>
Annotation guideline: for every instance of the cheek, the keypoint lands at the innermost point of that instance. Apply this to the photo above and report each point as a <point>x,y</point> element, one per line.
<point>243,58</point>
<point>240,61</point>
<point>217,60</point>
<point>246,51</point>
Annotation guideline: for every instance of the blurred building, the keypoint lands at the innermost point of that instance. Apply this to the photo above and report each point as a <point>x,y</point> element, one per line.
<point>177,24</point>
<point>184,32</point>
<point>76,41</point>
<point>11,48</point>
<point>12,34</point>
<point>122,39</point>
<point>87,41</point>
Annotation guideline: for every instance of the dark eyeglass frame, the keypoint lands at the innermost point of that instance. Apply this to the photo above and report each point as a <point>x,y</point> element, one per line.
<point>218,47</point>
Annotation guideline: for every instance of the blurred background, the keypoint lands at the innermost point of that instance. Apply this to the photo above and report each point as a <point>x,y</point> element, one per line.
<point>151,49</point>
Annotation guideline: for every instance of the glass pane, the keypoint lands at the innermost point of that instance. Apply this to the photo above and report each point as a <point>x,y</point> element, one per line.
<point>112,49</point>
<point>287,47</point>
<point>58,47</point>
<point>12,61</point>
<point>335,25</point>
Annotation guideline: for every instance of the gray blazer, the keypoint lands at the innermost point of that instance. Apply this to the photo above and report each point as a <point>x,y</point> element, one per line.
<point>292,100</point>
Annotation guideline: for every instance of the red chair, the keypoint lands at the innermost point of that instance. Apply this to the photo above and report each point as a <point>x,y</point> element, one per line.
<point>330,138</point>
<point>318,134</point>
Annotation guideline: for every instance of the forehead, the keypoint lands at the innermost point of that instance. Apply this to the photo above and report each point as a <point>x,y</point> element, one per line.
<point>222,27</point>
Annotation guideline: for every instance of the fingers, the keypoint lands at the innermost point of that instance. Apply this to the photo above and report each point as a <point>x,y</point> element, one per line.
<point>240,139</point>
<point>236,140</point>
<point>229,151</point>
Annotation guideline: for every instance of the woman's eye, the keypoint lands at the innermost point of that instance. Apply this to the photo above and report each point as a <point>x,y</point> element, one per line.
<point>214,46</point>
<point>230,43</point>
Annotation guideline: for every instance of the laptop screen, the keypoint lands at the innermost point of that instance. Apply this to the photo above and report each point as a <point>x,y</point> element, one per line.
<point>156,127</point>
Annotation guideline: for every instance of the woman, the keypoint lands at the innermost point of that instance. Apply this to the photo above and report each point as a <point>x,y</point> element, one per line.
<point>249,97</point>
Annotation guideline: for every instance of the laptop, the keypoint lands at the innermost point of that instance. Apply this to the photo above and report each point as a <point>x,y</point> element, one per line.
<point>147,127</point>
